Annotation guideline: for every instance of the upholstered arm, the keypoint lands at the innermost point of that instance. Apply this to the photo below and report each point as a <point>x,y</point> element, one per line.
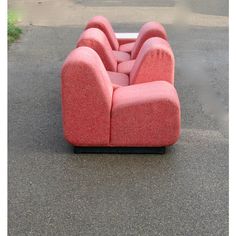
<point>145,115</point>
<point>155,62</point>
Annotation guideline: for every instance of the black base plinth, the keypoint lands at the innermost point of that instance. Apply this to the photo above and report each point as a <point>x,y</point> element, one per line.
<point>120,150</point>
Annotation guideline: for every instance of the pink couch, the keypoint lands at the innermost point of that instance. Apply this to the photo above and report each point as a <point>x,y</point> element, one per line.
<point>110,109</point>
<point>155,60</point>
<point>125,44</point>
<point>118,54</point>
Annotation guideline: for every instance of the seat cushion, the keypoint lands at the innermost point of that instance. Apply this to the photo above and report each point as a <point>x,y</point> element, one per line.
<point>118,79</point>
<point>121,56</point>
<point>145,114</point>
<point>126,47</point>
<point>125,67</point>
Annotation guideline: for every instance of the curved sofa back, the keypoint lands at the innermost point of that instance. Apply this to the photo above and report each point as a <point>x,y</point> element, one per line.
<point>155,62</point>
<point>97,40</point>
<point>104,25</point>
<point>86,98</point>
<point>148,30</point>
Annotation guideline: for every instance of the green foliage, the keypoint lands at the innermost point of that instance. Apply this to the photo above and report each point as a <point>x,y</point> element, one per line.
<point>13,31</point>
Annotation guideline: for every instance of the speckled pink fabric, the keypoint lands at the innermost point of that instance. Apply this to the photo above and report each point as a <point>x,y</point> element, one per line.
<point>155,62</point>
<point>106,108</point>
<point>125,67</point>
<point>121,56</point>
<point>145,115</point>
<point>148,30</point>
<point>97,40</point>
<point>104,25</point>
<point>118,79</point>
<point>86,99</point>
<point>127,47</point>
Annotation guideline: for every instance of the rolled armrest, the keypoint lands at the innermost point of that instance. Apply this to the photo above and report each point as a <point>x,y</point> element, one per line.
<point>155,62</point>
<point>145,115</point>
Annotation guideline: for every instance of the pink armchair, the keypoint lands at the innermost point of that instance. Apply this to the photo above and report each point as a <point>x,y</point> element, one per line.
<point>142,117</point>
<point>125,43</point>
<point>155,60</point>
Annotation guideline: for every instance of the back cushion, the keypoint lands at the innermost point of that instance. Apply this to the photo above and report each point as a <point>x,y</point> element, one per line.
<point>86,99</point>
<point>96,39</point>
<point>104,25</point>
<point>155,62</point>
<point>148,30</point>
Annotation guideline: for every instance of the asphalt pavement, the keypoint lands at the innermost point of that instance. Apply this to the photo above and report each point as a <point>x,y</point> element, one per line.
<point>55,192</point>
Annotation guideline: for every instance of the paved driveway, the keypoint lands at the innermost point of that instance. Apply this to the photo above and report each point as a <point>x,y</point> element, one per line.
<point>55,192</point>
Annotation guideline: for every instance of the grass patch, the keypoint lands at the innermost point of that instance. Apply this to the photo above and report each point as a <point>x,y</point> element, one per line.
<point>12,30</point>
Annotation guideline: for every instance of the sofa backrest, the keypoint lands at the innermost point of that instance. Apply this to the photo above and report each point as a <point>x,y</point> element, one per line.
<point>86,98</point>
<point>155,62</point>
<point>104,25</point>
<point>148,30</point>
<point>97,40</point>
